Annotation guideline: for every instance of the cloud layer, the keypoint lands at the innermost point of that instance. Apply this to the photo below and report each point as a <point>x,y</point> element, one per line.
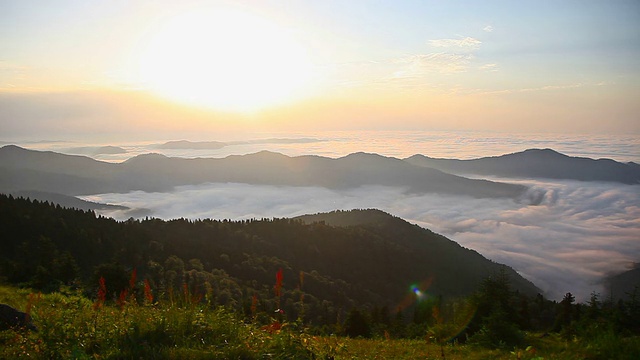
<point>467,42</point>
<point>578,234</point>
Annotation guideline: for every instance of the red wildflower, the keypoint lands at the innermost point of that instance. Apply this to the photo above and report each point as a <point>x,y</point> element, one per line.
<point>148,294</point>
<point>185,292</point>
<point>278,282</point>
<point>272,328</point>
<point>132,280</point>
<point>122,299</point>
<point>254,305</point>
<point>102,294</point>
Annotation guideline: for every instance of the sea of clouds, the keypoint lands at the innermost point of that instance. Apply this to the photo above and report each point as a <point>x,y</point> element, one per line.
<point>577,235</point>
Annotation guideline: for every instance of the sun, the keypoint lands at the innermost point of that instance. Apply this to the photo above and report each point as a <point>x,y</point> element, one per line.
<point>224,59</point>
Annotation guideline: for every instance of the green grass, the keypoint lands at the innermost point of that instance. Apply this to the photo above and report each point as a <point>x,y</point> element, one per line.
<point>69,327</point>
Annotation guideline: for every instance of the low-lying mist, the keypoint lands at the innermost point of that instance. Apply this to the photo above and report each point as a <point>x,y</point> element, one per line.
<point>577,234</point>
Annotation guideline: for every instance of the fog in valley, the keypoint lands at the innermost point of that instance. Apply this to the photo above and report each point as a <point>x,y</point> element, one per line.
<point>579,232</point>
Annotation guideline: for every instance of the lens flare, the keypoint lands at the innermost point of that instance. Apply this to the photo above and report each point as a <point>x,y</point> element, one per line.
<point>456,314</point>
<point>416,290</point>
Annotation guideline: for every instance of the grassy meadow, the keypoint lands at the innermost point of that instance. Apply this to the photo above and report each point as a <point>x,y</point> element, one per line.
<point>71,326</point>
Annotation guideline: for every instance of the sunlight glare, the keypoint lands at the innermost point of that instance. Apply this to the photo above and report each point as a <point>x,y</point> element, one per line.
<point>226,60</point>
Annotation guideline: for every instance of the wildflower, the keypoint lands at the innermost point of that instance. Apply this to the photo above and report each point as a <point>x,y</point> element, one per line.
<point>254,305</point>
<point>132,280</point>
<point>301,279</point>
<point>102,294</point>
<point>185,292</point>
<point>278,286</point>
<point>148,295</point>
<point>122,299</point>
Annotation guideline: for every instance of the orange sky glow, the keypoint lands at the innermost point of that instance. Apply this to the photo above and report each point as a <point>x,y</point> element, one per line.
<point>206,66</point>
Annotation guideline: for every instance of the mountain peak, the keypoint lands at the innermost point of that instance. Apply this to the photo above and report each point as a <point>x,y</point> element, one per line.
<point>363,155</point>
<point>546,151</point>
<point>11,147</point>
<point>146,157</point>
<point>266,154</point>
<point>538,163</point>
<point>349,217</point>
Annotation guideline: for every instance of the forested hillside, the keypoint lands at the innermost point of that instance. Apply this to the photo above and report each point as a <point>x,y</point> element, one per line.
<point>371,264</point>
<point>361,273</point>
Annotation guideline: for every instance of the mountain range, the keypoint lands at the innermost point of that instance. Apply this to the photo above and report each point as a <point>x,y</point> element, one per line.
<point>538,163</point>
<point>24,169</point>
<point>51,172</point>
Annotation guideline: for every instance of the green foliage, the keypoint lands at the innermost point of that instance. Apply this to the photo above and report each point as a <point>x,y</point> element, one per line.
<point>495,324</point>
<point>498,332</point>
<point>357,325</point>
<point>205,289</point>
<point>227,262</point>
<point>70,328</point>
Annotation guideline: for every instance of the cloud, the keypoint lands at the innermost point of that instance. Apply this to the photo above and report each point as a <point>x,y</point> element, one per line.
<point>492,67</point>
<point>464,43</point>
<point>578,234</point>
<point>456,59</point>
<point>489,67</point>
<point>444,63</point>
<point>10,74</point>
<point>11,67</point>
<point>487,28</point>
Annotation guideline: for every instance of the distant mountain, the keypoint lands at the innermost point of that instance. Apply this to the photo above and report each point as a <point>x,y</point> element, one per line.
<point>76,175</point>
<point>538,163</point>
<point>375,262</point>
<point>623,285</point>
<point>66,200</point>
<point>22,169</point>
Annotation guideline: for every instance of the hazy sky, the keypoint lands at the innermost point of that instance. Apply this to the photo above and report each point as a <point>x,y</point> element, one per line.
<point>121,67</point>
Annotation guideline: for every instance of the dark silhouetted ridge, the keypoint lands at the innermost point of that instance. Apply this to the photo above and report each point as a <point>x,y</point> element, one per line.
<point>53,172</point>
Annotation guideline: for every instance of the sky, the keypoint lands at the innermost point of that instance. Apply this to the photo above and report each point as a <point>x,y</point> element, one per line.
<point>140,68</point>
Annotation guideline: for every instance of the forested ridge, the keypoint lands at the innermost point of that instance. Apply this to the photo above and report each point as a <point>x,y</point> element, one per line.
<point>357,273</point>
<point>368,264</point>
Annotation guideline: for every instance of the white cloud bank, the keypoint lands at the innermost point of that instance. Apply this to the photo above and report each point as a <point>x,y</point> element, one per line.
<point>579,233</point>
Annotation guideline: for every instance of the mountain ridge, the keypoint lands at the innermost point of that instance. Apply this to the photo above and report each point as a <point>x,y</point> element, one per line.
<point>149,172</point>
<point>361,264</point>
<point>537,163</point>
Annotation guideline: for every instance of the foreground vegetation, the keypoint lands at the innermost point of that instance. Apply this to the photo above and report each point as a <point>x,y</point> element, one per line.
<point>71,326</point>
<point>97,288</point>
